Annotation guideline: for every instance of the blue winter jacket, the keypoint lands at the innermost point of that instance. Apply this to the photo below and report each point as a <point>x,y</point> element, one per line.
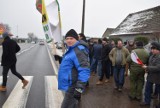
<point>74,69</point>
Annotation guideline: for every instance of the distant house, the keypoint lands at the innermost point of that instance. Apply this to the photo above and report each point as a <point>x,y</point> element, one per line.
<point>144,23</point>
<point>107,32</point>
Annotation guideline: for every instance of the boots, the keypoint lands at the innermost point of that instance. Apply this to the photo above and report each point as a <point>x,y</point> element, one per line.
<point>99,83</point>
<point>25,82</point>
<point>3,88</point>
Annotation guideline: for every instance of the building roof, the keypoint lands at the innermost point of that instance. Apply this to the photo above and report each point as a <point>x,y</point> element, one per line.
<point>142,22</point>
<point>108,32</point>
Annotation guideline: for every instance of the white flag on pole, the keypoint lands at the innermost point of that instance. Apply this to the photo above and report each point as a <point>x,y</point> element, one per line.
<point>54,20</point>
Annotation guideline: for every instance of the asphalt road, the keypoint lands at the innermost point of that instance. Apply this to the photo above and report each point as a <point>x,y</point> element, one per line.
<point>32,60</point>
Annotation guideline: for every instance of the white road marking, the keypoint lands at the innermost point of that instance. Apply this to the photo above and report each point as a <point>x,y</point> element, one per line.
<point>53,63</point>
<point>18,96</point>
<point>1,80</point>
<point>53,96</point>
<point>25,50</point>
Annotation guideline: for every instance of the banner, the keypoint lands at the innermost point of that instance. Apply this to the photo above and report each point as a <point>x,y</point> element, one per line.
<point>135,58</point>
<point>54,17</point>
<point>51,20</point>
<point>45,23</point>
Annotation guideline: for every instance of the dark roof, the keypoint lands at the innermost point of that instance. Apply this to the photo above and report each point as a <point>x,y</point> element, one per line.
<point>146,21</point>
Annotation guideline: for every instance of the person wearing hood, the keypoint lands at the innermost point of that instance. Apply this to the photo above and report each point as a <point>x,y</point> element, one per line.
<point>74,70</point>
<point>10,48</point>
<point>130,45</point>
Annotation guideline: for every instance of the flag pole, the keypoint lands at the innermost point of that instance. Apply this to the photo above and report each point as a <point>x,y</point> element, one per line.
<point>59,16</point>
<point>83,16</point>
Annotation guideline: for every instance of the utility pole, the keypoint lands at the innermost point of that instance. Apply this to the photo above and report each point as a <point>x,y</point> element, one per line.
<point>83,16</point>
<point>17,30</point>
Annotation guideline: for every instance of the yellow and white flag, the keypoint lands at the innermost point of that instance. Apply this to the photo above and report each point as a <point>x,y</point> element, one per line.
<point>46,24</point>
<point>53,10</point>
<point>51,19</point>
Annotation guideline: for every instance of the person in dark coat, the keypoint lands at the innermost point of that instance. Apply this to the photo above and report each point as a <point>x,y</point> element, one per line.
<point>82,37</point>
<point>106,63</point>
<point>96,60</point>
<point>10,48</point>
<point>153,70</point>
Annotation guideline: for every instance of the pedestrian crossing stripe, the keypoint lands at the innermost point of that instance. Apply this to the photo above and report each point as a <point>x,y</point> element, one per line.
<point>52,62</point>
<point>18,96</point>
<point>53,96</point>
<point>1,80</point>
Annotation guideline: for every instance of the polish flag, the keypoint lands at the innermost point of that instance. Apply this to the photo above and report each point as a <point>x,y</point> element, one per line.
<point>135,58</point>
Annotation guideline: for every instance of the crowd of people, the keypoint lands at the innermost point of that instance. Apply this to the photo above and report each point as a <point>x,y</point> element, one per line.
<point>103,58</point>
<point>115,59</point>
<point>106,58</point>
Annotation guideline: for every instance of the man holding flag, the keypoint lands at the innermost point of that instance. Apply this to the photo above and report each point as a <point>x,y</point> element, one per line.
<point>136,59</point>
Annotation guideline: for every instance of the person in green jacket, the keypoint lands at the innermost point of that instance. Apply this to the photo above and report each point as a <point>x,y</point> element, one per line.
<point>137,72</point>
<point>118,56</point>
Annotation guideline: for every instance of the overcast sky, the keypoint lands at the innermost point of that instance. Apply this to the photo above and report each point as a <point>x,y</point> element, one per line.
<point>22,16</point>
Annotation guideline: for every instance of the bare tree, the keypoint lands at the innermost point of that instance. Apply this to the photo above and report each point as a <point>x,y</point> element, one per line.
<point>7,27</point>
<point>32,37</point>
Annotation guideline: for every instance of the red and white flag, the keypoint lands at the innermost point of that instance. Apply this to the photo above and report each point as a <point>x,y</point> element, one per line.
<point>135,58</point>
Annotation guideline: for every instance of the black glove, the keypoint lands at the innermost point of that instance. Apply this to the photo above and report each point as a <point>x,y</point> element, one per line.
<point>77,95</point>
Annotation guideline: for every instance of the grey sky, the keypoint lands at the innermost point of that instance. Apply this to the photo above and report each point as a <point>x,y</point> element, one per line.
<point>100,14</point>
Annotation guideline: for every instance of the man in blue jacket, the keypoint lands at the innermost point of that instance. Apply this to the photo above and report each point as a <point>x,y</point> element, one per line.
<point>74,70</point>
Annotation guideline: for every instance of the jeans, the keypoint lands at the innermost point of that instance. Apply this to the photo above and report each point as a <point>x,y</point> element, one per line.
<point>157,88</point>
<point>148,91</point>
<point>96,65</point>
<point>13,70</point>
<point>99,67</point>
<point>119,75</point>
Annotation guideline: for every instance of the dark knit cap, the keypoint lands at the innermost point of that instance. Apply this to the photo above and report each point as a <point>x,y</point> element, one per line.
<point>72,33</point>
<point>139,44</point>
<point>155,45</point>
<point>6,34</point>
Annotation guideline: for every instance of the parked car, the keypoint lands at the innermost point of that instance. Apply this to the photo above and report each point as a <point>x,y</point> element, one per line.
<point>59,45</point>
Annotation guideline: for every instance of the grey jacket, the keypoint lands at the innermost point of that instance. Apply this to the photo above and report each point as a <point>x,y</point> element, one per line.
<point>154,69</point>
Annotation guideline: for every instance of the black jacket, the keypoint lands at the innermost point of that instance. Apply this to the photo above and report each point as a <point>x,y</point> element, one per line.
<point>105,52</point>
<point>10,48</point>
